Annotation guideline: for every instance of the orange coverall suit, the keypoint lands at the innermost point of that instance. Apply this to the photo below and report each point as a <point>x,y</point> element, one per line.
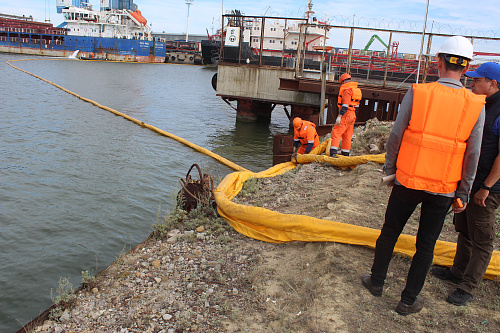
<point>307,136</point>
<point>348,102</point>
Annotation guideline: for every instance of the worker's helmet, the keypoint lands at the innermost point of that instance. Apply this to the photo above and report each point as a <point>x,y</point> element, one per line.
<point>344,77</point>
<point>456,46</point>
<point>297,122</point>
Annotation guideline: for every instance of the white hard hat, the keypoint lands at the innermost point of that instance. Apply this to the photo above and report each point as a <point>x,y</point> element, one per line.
<point>457,45</point>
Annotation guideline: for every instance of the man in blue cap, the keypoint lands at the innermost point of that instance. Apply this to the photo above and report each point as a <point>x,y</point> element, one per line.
<point>476,225</point>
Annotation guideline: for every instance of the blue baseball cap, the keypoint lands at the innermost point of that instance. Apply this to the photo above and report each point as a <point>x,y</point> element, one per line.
<point>490,70</point>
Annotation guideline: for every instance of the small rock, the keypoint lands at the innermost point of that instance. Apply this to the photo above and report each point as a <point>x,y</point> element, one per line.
<point>157,279</point>
<point>95,290</point>
<point>166,316</point>
<point>235,291</point>
<point>65,317</point>
<point>172,240</point>
<point>173,232</point>
<point>156,263</point>
<point>374,148</point>
<point>200,229</point>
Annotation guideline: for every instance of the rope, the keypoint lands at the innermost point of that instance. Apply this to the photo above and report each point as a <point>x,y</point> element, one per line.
<point>136,121</point>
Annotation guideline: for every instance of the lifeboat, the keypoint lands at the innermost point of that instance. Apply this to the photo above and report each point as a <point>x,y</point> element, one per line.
<point>138,16</point>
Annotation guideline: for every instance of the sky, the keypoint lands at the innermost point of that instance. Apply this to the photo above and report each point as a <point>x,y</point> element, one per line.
<point>446,16</point>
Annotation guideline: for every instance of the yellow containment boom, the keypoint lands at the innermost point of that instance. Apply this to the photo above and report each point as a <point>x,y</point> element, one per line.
<point>269,226</point>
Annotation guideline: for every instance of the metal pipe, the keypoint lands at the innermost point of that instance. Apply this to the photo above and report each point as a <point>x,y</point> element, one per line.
<point>387,59</point>
<point>422,42</point>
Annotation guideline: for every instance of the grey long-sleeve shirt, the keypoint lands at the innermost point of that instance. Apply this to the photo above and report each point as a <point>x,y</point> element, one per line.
<point>472,150</point>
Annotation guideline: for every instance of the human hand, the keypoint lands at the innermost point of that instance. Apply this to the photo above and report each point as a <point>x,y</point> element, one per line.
<point>480,197</point>
<point>337,121</point>
<point>458,210</point>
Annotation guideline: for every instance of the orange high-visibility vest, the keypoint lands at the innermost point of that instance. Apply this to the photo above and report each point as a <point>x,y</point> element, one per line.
<point>356,94</point>
<point>433,146</point>
<point>307,133</point>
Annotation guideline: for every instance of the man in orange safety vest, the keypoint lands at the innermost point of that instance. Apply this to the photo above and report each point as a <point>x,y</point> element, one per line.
<point>348,103</point>
<point>433,151</point>
<point>304,132</point>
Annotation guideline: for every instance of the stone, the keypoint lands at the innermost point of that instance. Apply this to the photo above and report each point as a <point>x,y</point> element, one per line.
<point>173,232</point>
<point>374,148</point>
<point>166,317</point>
<point>200,229</point>
<point>172,240</point>
<point>65,317</point>
<point>156,263</point>
<point>95,290</point>
<point>157,279</point>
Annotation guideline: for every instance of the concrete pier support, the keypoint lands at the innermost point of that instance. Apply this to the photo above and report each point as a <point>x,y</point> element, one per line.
<point>254,111</point>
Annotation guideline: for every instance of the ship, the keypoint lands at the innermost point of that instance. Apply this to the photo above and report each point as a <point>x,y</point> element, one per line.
<point>267,38</point>
<point>117,32</point>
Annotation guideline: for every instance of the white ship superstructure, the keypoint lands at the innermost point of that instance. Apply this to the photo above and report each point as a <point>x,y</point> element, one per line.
<point>277,36</point>
<point>111,21</point>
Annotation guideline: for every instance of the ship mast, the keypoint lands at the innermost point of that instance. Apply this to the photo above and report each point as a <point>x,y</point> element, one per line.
<point>188,3</point>
<point>309,10</point>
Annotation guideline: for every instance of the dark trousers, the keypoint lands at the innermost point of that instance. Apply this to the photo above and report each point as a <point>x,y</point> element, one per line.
<point>402,203</point>
<point>476,227</point>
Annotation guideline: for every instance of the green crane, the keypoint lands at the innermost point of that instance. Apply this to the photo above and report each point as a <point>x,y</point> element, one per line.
<point>371,41</point>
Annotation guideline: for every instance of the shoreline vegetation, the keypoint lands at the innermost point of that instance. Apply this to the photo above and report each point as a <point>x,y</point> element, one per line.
<point>194,273</point>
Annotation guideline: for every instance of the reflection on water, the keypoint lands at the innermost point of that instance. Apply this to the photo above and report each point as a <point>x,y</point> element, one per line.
<point>245,141</point>
<point>78,185</point>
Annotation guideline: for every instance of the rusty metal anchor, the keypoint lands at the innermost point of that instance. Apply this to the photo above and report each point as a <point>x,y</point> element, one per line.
<point>196,191</point>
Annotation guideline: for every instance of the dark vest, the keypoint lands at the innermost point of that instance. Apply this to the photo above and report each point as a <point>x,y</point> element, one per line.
<point>489,146</point>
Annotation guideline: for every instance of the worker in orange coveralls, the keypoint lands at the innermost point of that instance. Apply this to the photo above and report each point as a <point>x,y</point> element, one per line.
<point>348,103</point>
<point>304,132</point>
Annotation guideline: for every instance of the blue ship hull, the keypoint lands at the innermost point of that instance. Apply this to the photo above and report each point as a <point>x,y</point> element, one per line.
<point>61,45</point>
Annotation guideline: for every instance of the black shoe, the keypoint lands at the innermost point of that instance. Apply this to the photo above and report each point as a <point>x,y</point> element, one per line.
<point>404,309</point>
<point>367,282</point>
<point>460,297</point>
<point>444,273</point>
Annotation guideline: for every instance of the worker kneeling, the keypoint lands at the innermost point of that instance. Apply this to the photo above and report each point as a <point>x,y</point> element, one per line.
<point>304,132</point>
<point>348,103</point>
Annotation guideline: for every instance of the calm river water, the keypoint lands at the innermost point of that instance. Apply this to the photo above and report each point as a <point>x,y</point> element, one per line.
<point>79,185</point>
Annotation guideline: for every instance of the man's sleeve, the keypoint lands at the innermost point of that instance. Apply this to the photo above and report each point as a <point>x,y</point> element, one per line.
<point>396,135</point>
<point>471,159</point>
<point>496,127</point>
